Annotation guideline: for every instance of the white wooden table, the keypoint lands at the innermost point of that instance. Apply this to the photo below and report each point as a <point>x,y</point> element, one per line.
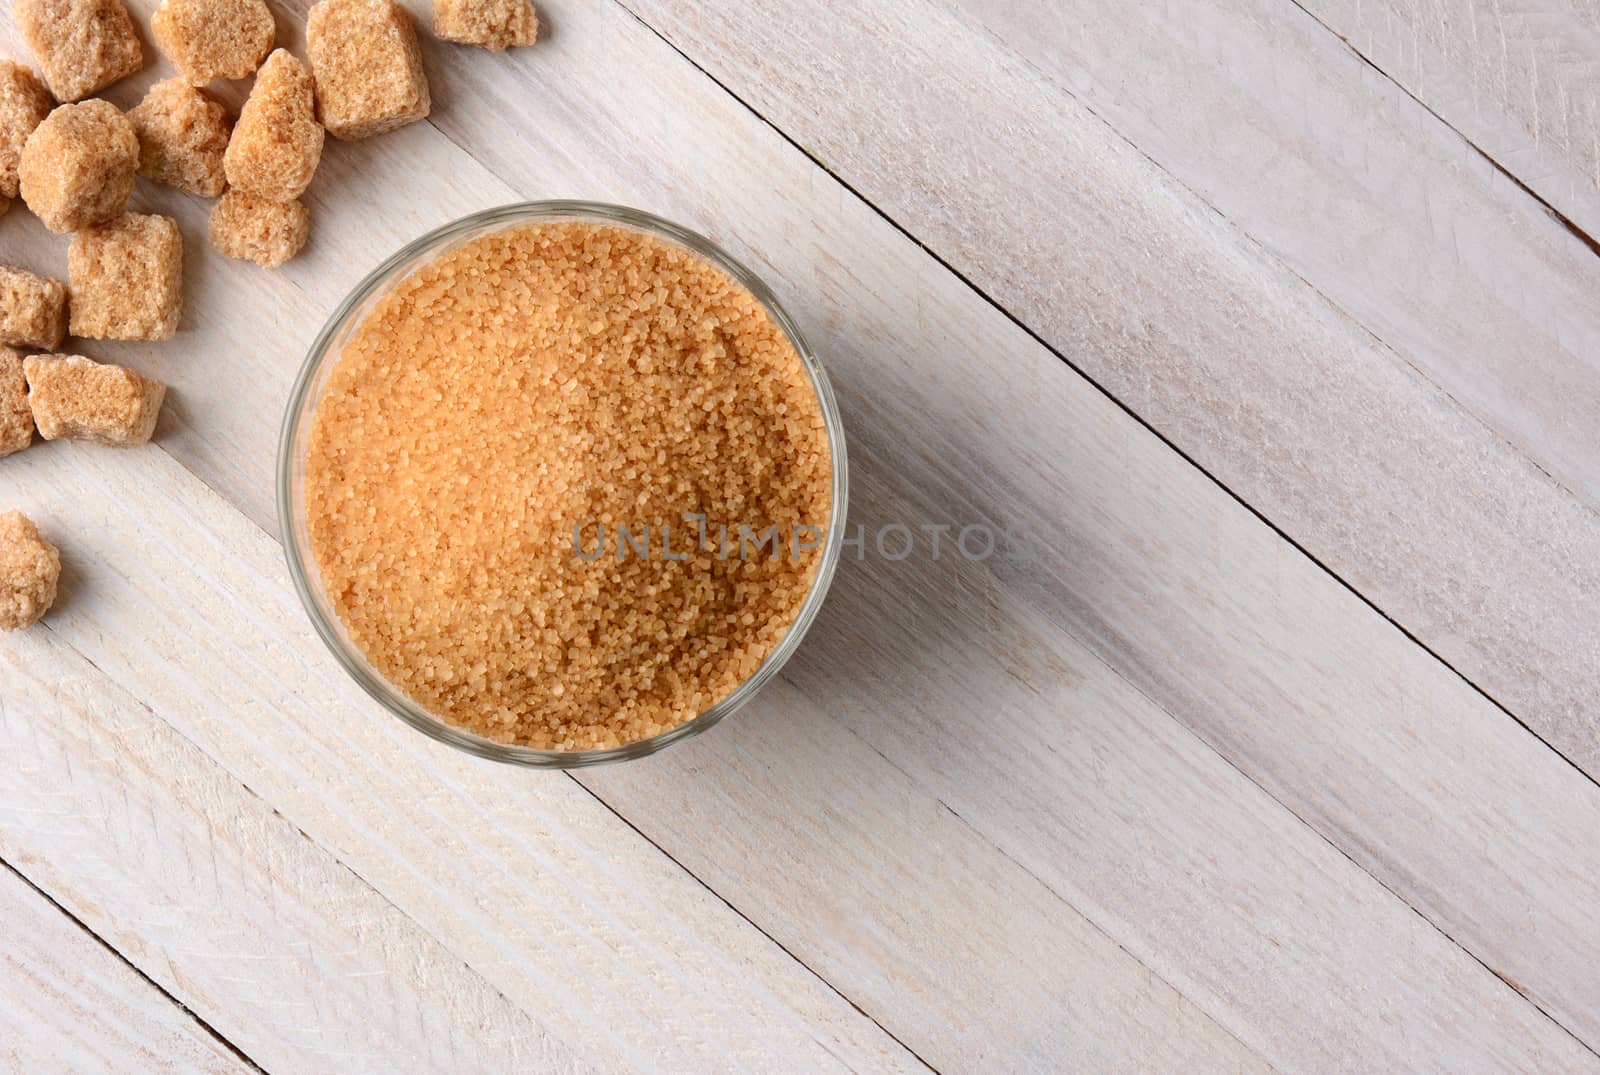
<point>1270,327</point>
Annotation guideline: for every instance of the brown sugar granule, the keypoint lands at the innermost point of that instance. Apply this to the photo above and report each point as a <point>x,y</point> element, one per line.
<point>277,142</point>
<point>183,133</point>
<point>545,378</point>
<point>368,67</point>
<point>33,309</point>
<point>16,420</point>
<point>207,39</point>
<point>81,45</point>
<point>73,398</point>
<point>127,279</point>
<point>255,229</point>
<point>24,103</point>
<point>494,24</point>
<point>30,568</point>
<point>78,166</point>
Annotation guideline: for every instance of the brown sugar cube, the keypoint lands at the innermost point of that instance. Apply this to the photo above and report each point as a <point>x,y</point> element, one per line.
<point>249,228</point>
<point>277,142</point>
<point>207,39</point>
<point>16,420</point>
<point>78,166</point>
<point>81,45</point>
<point>494,24</point>
<point>33,309</point>
<point>73,398</point>
<point>183,134</point>
<point>30,568</point>
<point>368,67</point>
<point>127,279</point>
<point>24,103</point>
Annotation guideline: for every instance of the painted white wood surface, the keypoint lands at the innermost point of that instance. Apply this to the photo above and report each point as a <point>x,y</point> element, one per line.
<point>210,892</point>
<point>1380,206</point>
<point>70,1004</point>
<point>888,816</point>
<point>1521,80</point>
<point>1418,413</point>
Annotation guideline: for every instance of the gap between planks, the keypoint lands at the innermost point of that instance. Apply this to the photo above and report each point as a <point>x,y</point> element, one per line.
<point>1525,84</point>
<point>753,924</point>
<point>183,1009</point>
<point>1578,232</point>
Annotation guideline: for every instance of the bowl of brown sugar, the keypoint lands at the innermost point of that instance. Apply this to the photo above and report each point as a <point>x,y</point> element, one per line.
<point>561,483</point>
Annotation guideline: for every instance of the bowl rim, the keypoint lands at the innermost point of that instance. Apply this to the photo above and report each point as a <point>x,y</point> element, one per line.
<point>300,408</point>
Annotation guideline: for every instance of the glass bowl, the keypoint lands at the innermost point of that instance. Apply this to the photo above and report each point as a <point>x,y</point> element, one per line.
<point>307,391</point>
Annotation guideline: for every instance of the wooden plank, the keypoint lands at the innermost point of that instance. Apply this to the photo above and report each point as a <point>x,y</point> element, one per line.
<point>1130,817</point>
<point>1445,470</point>
<point>68,1004</point>
<point>1521,81</point>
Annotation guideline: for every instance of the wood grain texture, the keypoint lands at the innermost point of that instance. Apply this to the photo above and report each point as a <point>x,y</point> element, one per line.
<point>211,893</point>
<point>1361,449</point>
<point>863,872</point>
<point>1215,951</point>
<point>994,738</point>
<point>72,1006</point>
<point>1520,78</point>
<point>1380,207</point>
